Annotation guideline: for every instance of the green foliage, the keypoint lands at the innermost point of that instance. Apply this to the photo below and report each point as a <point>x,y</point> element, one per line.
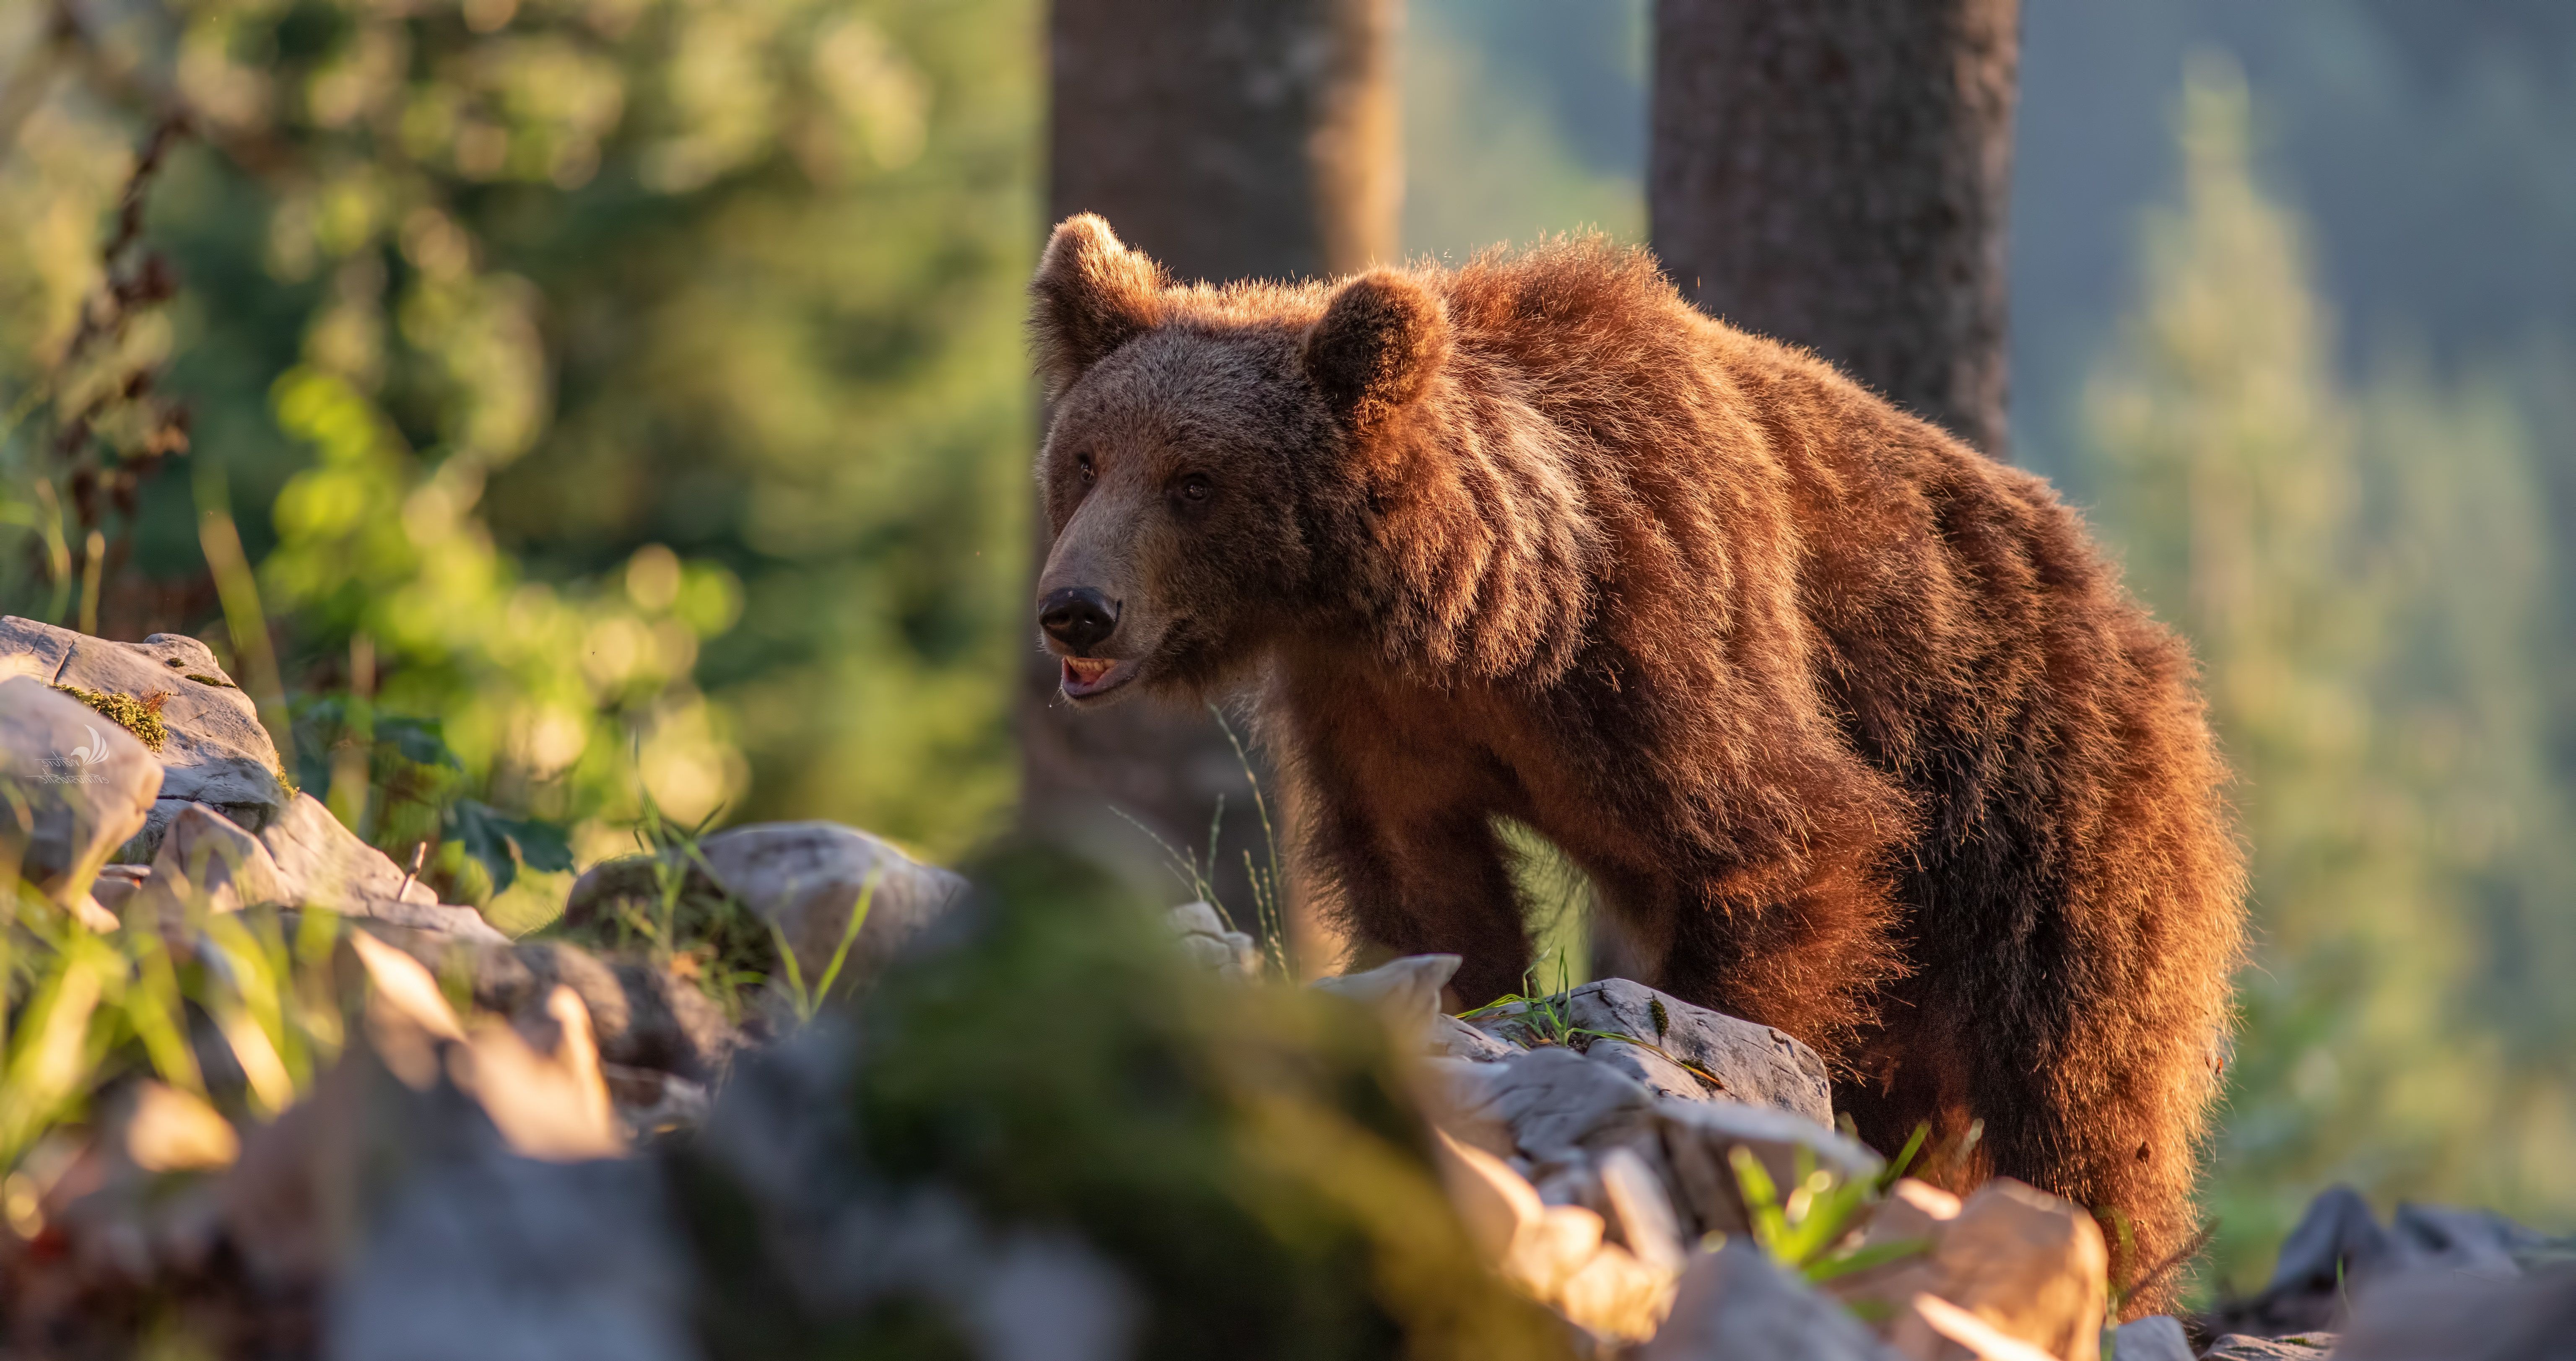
<point>538,347</point>
<point>809,1001</point>
<point>1247,1157</point>
<point>2359,573</point>
<point>81,1012</point>
<point>1815,1229</point>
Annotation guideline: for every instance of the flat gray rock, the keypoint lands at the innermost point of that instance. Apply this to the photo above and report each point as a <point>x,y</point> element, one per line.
<point>1734,1304</point>
<point>76,786</point>
<point>2157,1337</point>
<point>1750,1063</point>
<point>216,753</point>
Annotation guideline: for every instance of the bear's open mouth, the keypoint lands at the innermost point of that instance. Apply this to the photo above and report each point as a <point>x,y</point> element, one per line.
<point>1086,676</point>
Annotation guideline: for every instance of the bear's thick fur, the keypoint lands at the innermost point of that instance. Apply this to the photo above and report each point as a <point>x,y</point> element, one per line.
<point>1852,727</point>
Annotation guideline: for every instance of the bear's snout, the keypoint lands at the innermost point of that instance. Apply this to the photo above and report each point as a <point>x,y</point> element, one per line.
<point>1078,617</point>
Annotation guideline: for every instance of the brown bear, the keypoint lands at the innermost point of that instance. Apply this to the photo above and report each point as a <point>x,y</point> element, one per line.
<point>1852,727</point>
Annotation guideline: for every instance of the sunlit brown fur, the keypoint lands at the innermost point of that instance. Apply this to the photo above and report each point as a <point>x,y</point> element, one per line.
<point>1853,727</point>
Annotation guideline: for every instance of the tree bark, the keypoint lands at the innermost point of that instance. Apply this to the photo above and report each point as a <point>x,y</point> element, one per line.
<point>1228,139</point>
<point>1835,173</point>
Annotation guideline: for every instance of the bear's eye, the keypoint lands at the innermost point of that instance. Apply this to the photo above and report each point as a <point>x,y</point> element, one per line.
<point>1196,487</point>
<point>1082,465</point>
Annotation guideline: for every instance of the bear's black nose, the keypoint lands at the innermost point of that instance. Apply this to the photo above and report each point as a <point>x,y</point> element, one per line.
<point>1078,617</point>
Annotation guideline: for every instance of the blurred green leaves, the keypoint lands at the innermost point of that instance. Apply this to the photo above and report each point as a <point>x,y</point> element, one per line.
<point>641,378</point>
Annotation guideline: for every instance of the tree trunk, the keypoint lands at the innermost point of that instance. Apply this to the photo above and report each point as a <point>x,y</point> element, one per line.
<point>1228,139</point>
<point>1835,173</point>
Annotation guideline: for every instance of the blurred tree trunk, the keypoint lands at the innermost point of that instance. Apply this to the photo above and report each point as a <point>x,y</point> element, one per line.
<point>1228,139</point>
<point>1835,173</point>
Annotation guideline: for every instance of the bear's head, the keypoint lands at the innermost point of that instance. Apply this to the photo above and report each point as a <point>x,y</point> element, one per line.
<point>1200,450</point>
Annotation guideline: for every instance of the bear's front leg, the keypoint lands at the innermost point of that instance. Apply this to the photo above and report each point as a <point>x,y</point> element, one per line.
<point>1413,866</point>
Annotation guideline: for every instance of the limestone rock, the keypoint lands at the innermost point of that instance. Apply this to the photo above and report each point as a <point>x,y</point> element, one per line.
<point>803,877</point>
<point>1553,1104</point>
<point>1697,1138</point>
<point>1735,1304</point>
<point>1911,1213</point>
<point>205,860</point>
<point>1207,940</point>
<point>1406,992</point>
<point>2029,1264</point>
<point>1750,1063</point>
<point>2157,1337</point>
<point>217,752</point>
<point>326,865</point>
<point>73,787</point>
<point>1450,1037</point>
<point>1555,1253</point>
<point>1930,1328</point>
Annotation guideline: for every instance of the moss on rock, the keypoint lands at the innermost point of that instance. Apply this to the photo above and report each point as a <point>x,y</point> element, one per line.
<point>141,717</point>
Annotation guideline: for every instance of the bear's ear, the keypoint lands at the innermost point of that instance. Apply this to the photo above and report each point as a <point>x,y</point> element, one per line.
<point>1091,295</point>
<point>1380,341</point>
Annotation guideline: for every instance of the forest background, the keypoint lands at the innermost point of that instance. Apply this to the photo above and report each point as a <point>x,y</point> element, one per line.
<point>588,403</point>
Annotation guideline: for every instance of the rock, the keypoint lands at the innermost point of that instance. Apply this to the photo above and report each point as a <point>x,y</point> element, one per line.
<point>498,1257</point>
<point>1495,1204</point>
<point>1930,1328</point>
<point>2439,1314</point>
<point>1911,1213</point>
<point>648,1102</point>
<point>1405,992</point>
<point>1450,1037</point>
<point>550,1103</point>
<point>803,877</point>
<point>305,859</point>
<point>643,1016</point>
<point>117,884</point>
<point>2338,1252</point>
<point>73,787</point>
<point>2304,1347</point>
<point>2157,1337</point>
<point>1750,1063</point>
<point>1552,1104</point>
<point>1206,939</point>
<point>325,864</point>
<point>1641,1208</point>
<point>206,861</point>
<point>1698,1136</point>
<point>2030,1264</point>
<point>2471,1241</point>
<point>1556,1253</point>
<point>216,750</point>
<point>1615,1297</point>
<point>1735,1304</point>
